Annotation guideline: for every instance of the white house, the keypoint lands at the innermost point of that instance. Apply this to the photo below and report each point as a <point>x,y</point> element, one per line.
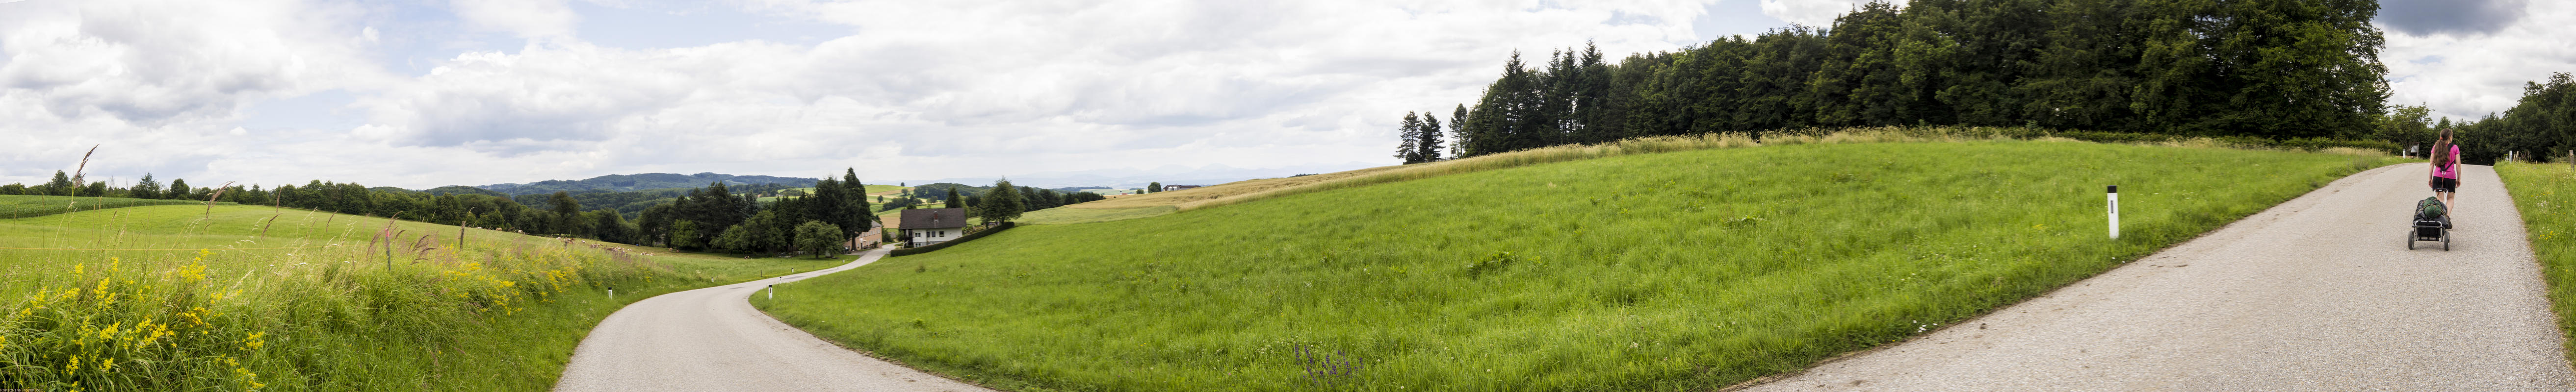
<point>927,226</point>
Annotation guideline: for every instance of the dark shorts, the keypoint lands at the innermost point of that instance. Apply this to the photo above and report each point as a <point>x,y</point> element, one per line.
<point>2446,184</point>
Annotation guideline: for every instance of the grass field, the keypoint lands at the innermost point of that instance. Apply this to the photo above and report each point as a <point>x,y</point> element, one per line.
<point>256,298</point>
<point>30,206</point>
<point>1069,215</point>
<point>881,190</point>
<point>1673,271</point>
<point>2544,193</point>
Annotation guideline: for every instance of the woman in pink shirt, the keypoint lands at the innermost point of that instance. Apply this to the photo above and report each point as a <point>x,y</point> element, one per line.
<point>2446,168</point>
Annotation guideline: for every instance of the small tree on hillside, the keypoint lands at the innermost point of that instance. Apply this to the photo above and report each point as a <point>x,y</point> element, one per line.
<point>60,186</point>
<point>178,189</point>
<point>818,238</point>
<point>1003,203</point>
<point>147,189</point>
<point>1154,187</point>
<point>1410,133</point>
<point>953,201</point>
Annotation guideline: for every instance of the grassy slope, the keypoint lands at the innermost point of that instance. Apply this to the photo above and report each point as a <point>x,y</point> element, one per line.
<point>2544,193</point>
<point>330,317</point>
<point>1679,271</point>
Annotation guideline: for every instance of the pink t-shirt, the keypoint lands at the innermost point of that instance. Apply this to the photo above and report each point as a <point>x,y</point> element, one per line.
<point>2453,171</point>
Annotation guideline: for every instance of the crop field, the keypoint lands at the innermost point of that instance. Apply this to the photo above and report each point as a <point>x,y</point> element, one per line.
<point>882,190</point>
<point>1689,270</point>
<point>177,298</point>
<point>12,206</point>
<point>2545,193</point>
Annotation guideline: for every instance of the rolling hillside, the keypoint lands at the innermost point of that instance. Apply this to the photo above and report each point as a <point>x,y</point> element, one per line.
<point>181,297</point>
<point>1689,270</point>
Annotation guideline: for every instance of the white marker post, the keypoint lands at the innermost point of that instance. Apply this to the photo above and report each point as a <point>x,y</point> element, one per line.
<point>612,294</point>
<point>773,291</point>
<point>2115,212</point>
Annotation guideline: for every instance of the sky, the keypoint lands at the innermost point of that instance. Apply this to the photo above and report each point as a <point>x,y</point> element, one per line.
<point>424,93</point>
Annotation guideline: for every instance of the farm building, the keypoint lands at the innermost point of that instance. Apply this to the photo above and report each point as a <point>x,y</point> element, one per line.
<point>1169,188</point>
<point>923,227</point>
<point>869,239</point>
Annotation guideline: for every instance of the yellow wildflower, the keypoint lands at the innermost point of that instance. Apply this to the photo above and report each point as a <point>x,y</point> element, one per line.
<point>74,366</point>
<point>255,343</point>
<point>106,364</point>
<point>110,332</point>
<point>77,267</point>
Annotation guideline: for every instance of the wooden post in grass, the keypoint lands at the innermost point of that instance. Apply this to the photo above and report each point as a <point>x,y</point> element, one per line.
<point>2115,211</point>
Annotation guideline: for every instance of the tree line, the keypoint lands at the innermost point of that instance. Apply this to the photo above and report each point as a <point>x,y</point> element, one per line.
<point>716,218</point>
<point>2541,126</point>
<point>2269,69</point>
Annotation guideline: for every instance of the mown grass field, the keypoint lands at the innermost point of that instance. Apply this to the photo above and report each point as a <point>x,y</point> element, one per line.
<point>257,298</point>
<point>2545,193</point>
<point>12,206</point>
<point>1675,271</point>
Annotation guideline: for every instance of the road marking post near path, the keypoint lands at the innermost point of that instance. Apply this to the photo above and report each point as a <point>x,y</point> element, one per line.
<point>2115,211</point>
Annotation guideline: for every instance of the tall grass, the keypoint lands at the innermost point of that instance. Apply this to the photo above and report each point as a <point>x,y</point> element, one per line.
<point>169,298</point>
<point>2544,193</point>
<point>1690,270</point>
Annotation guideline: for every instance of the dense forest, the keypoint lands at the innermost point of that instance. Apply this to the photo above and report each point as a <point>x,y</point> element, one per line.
<point>2274,70</point>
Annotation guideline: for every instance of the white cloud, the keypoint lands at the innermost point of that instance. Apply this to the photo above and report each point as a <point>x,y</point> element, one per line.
<point>151,64</point>
<point>2466,76</point>
<point>1814,13</point>
<point>923,90</point>
<point>526,18</point>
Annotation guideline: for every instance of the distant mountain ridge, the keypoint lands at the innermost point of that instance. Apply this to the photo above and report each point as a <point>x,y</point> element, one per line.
<point>638,182</point>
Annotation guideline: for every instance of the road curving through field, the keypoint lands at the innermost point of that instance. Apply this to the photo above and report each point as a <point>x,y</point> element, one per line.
<point>711,339</point>
<point>2316,294</point>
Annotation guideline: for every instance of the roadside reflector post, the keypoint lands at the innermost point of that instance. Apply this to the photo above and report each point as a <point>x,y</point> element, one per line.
<point>773,291</point>
<point>2115,211</point>
<point>612,293</point>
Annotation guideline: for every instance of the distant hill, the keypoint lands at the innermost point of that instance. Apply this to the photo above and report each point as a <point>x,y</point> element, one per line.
<point>639,182</point>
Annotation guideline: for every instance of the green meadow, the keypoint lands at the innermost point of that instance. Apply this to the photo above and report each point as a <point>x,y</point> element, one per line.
<point>1689,270</point>
<point>184,298</point>
<point>2544,193</point>
<point>27,206</point>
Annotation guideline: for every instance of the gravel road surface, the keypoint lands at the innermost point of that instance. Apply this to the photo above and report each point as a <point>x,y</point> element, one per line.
<point>2317,294</point>
<point>711,339</point>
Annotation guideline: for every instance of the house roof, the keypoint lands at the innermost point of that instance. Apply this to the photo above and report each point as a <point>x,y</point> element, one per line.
<point>934,218</point>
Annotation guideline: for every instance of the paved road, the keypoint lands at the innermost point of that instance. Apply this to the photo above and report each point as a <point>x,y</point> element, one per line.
<point>711,339</point>
<point>2317,294</point>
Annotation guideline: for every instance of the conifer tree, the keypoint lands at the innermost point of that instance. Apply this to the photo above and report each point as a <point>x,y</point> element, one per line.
<point>1427,144</point>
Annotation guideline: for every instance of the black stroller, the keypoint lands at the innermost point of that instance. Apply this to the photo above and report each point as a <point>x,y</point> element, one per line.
<point>2432,223</point>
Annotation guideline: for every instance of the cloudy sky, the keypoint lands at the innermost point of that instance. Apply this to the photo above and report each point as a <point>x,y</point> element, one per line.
<point>423,93</point>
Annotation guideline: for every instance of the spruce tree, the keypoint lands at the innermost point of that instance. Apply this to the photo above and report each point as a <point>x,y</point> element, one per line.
<point>1458,131</point>
<point>1410,133</point>
<point>1427,148</point>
